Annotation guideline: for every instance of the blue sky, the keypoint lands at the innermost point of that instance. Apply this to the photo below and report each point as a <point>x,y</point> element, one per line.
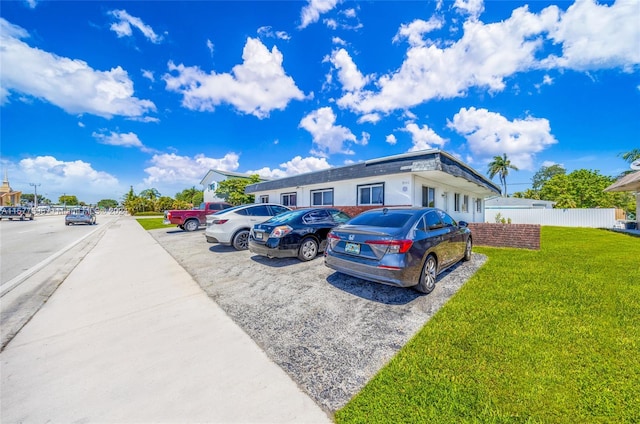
<point>100,96</point>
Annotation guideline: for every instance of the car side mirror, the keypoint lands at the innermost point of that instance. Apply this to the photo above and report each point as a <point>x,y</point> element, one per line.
<point>463,224</point>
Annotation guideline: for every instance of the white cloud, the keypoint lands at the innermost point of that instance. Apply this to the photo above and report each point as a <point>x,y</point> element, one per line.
<point>423,138</point>
<point>148,75</point>
<point>121,139</point>
<point>391,139</point>
<point>338,41</point>
<point>185,171</point>
<point>312,11</point>
<point>591,36</point>
<point>257,86</point>
<point>69,84</point>
<point>490,134</point>
<point>484,56</point>
<point>295,166</point>
<point>474,8</point>
<point>371,118</point>
<point>123,26</point>
<point>267,31</point>
<point>348,74</point>
<point>595,36</point>
<point>210,47</point>
<point>414,31</point>
<point>76,178</point>
<point>328,137</point>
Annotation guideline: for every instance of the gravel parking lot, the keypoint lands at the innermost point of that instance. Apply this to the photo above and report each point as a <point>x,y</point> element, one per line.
<point>329,331</point>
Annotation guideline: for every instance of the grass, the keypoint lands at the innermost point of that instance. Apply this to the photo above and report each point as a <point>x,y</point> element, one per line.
<point>548,336</point>
<point>153,223</point>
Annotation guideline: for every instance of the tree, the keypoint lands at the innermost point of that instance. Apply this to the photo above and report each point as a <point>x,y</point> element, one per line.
<point>107,203</point>
<point>544,174</point>
<point>164,203</point>
<point>584,188</point>
<point>28,197</point>
<point>67,199</point>
<point>500,166</point>
<point>232,190</point>
<point>629,157</point>
<point>190,195</point>
<point>150,193</point>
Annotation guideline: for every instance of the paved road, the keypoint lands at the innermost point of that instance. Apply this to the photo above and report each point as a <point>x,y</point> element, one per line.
<point>26,244</point>
<point>36,258</point>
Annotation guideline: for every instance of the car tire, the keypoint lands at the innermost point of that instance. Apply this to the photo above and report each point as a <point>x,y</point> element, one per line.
<point>308,249</point>
<point>467,250</point>
<point>241,240</point>
<point>427,281</point>
<point>191,225</point>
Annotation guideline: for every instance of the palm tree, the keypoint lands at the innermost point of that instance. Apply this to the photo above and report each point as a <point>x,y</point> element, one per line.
<point>501,165</point>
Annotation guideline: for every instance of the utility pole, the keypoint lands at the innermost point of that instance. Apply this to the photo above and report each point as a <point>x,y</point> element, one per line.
<point>35,199</point>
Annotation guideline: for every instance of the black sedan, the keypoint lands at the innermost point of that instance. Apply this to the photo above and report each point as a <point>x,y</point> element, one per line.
<point>299,233</point>
<point>404,247</point>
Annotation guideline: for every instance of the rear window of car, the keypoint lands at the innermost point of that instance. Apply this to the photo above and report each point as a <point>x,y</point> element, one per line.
<point>380,219</point>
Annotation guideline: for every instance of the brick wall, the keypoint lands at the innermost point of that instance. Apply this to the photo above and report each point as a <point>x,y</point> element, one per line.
<point>524,236</point>
<point>355,210</point>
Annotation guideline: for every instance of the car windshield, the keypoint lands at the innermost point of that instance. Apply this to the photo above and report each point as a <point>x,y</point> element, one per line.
<point>390,219</point>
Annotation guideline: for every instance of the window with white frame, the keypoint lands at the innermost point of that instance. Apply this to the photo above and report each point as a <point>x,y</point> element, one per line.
<point>289,199</point>
<point>456,202</point>
<point>371,194</point>
<point>428,197</point>
<point>322,197</point>
<point>213,186</point>
<point>264,198</point>
<point>465,203</point>
<point>478,205</point>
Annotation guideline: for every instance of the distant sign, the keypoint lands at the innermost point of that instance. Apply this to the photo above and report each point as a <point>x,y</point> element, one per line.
<point>635,165</point>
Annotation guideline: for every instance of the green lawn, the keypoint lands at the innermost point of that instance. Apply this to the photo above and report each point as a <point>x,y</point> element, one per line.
<point>153,223</point>
<point>549,336</point>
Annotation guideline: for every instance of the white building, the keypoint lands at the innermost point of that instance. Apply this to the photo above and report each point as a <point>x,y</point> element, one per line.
<point>425,178</point>
<point>211,181</point>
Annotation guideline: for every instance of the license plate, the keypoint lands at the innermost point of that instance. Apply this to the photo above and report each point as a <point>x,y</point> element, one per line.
<point>258,236</point>
<point>352,248</point>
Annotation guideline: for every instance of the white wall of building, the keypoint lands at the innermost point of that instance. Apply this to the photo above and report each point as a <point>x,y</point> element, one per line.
<point>399,190</point>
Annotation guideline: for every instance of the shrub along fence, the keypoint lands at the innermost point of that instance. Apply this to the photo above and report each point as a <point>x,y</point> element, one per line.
<point>523,236</point>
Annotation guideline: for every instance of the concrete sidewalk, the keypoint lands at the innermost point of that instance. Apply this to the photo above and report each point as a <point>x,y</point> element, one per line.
<point>130,337</point>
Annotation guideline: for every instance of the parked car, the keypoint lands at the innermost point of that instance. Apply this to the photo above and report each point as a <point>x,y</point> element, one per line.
<point>191,219</point>
<point>404,247</point>
<point>231,226</point>
<point>80,216</point>
<point>16,212</point>
<point>299,233</point>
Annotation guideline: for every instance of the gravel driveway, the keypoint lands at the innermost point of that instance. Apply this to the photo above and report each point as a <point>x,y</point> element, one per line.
<point>329,331</point>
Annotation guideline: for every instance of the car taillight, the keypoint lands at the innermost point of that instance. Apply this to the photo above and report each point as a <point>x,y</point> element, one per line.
<point>333,240</point>
<point>281,231</point>
<point>168,215</point>
<point>219,221</point>
<point>390,246</point>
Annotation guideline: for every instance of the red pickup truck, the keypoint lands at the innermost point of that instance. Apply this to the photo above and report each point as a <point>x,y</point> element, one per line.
<point>191,219</point>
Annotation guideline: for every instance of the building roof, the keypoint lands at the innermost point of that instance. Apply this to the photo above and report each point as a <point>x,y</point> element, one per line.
<point>517,203</point>
<point>223,173</point>
<point>414,162</point>
<point>630,182</point>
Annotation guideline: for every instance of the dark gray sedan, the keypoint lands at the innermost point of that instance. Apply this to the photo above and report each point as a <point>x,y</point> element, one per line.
<point>404,247</point>
<point>80,216</point>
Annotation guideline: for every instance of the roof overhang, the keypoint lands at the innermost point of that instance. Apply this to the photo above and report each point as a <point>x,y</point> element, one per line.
<point>630,182</point>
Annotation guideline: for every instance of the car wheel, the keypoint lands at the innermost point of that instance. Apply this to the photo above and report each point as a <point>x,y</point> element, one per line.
<point>191,225</point>
<point>241,240</point>
<point>308,249</point>
<point>467,250</point>
<point>428,275</point>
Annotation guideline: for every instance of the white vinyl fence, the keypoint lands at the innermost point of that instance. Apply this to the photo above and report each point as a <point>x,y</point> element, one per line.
<point>595,218</point>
